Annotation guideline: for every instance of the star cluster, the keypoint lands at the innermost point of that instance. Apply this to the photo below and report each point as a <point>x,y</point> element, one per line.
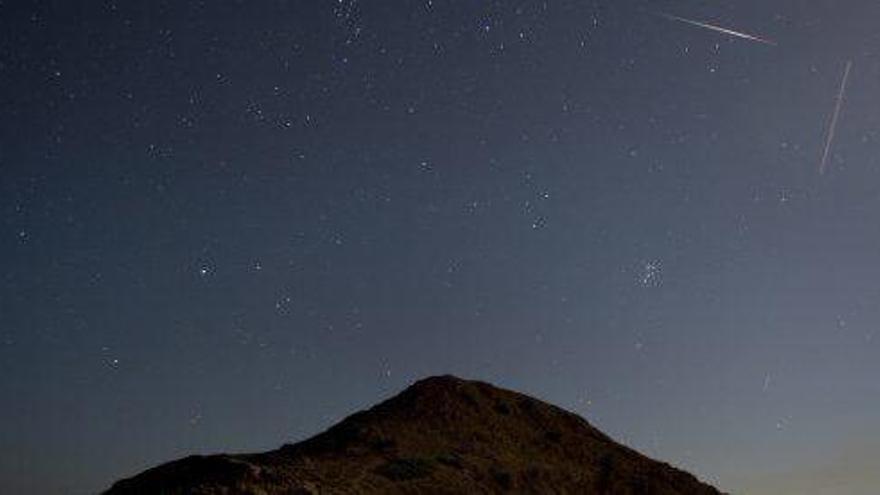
<point>226,225</point>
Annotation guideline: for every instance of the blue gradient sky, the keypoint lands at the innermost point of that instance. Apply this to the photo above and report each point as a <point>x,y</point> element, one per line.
<point>227,225</point>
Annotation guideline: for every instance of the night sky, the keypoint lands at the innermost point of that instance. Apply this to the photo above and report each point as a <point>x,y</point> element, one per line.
<point>227,225</point>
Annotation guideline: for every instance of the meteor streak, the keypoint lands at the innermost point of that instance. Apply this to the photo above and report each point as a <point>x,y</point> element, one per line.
<point>832,129</point>
<point>719,29</point>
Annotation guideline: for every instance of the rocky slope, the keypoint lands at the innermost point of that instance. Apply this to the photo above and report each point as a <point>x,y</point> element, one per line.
<point>441,435</point>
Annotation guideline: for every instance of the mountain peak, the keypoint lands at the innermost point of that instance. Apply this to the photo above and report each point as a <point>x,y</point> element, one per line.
<point>442,434</point>
<point>445,382</point>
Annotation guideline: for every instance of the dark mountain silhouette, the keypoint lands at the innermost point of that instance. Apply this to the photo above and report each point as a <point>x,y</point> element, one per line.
<point>441,435</point>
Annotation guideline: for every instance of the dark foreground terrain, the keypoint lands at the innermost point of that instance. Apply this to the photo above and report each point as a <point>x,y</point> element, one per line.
<point>441,435</point>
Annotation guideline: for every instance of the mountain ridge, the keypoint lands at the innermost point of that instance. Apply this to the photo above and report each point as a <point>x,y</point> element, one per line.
<point>442,434</point>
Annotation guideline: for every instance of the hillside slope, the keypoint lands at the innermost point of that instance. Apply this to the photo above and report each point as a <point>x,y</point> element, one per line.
<point>441,435</point>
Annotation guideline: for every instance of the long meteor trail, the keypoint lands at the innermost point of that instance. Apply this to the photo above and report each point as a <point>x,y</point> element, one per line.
<point>719,29</point>
<point>832,129</point>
